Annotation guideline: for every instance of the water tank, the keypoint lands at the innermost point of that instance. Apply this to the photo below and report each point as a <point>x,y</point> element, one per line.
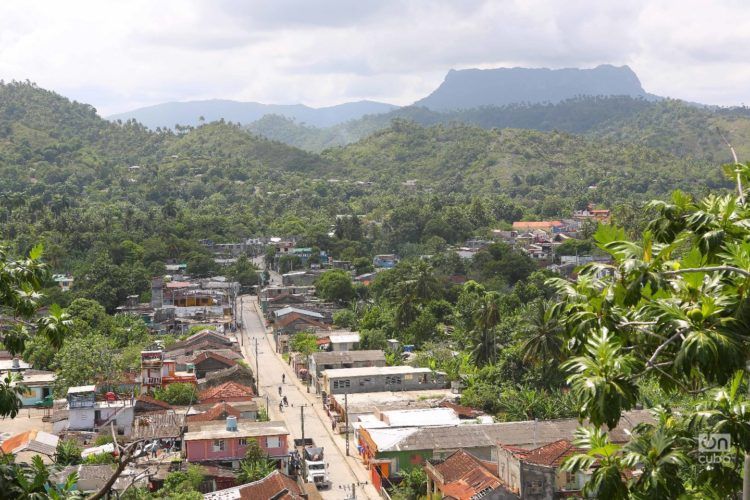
<point>231,423</point>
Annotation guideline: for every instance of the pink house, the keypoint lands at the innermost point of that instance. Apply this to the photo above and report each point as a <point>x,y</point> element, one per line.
<point>227,441</point>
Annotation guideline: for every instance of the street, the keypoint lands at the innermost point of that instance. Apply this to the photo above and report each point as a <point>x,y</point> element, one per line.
<point>344,472</point>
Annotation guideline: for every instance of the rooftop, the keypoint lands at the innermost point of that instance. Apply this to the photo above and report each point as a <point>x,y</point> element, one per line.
<point>322,358</point>
<point>552,454</point>
<point>344,338</point>
<point>82,389</point>
<point>374,370</point>
<point>288,310</point>
<point>218,430</point>
<point>226,391</point>
<point>33,377</point>
<point>420,417</point>
<point>32,440</point>
<point>276,485</point>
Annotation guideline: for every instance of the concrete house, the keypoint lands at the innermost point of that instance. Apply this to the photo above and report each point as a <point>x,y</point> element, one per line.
<point>39,385</point>
<point>381,378</point>
<point>226,392</point>
<point>461,476</point>
<point>86,413</point>
<point>385,261</point>
<point>321,361</point>
<point>344,341</point>
<point>226,442</point>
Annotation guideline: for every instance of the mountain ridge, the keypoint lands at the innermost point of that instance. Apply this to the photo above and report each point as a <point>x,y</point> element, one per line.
<point>167,115</point>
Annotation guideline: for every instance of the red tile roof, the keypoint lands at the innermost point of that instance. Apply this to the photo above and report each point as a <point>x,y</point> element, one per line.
<point>292,317</point>
<point>219,411</point>
<point>464,476</point>
<point>276,485</point>
<point>228,391</point>
<point>552,454</point>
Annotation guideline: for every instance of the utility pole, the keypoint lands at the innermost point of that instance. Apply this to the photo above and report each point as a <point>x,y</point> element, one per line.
<point>346,412</point>
<point>257,372</point>
<point>302,420</point>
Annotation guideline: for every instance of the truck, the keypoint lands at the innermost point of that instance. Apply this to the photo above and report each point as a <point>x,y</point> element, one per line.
<point>314,469</point>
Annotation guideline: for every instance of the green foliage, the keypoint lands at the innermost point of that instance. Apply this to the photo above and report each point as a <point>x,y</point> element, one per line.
<point>179,394</point>
<point>68,452</point>
<point>256,465</point>
<point>335,286</point>
<point>99,459</point>
<point>304,343</point>
<point>345,318</point>
<point>183,483</point>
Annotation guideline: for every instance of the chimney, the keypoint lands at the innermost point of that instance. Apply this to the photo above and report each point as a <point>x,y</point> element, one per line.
<point>232,423</point>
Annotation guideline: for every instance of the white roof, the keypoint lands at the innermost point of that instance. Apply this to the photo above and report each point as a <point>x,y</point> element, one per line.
<point>389,437</point>
<point>420,417</point>
<point>344,338</point>
<point>7,364</point>
<point>374,370</point>
<point>38,378</point>
<point>219,430</point>
<point>82,388</point>
<point>98,450</point>
<point>288,310</point>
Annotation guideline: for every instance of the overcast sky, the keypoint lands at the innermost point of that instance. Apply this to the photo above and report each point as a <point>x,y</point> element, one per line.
<point>125,54</point>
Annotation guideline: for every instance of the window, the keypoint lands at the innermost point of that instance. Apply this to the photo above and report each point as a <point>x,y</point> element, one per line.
<point>243,441</point>
<point>273,442</point>
<point>218,445</point>
<point>341,384</point>
<point>395,380</point>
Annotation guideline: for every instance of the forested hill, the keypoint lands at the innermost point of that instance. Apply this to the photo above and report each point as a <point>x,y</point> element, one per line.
<point>669,125</point>
<point>111,202</point>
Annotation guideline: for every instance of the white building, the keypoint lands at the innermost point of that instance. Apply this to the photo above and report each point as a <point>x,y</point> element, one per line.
<point>85,413</point>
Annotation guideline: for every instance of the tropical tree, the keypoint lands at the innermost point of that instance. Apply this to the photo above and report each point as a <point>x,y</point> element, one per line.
<point>672,307</point>
<point>486,318</point>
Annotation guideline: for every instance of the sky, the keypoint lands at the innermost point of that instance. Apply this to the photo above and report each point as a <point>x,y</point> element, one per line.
<point>120,55</point>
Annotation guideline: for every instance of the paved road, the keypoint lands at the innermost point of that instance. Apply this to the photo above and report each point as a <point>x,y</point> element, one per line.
<point>343,471</point>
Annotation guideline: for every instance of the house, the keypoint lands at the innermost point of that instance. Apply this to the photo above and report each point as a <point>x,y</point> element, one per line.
<point>276,486</point>
<point>28,444</point>
<point>220,411</point>
<point>321,361</point>
<point>226,442</point>
<point>39,385</point>
<point>13,365</point>
<point>400,448</point>
<point>286,311</point>
<point>344,341</point>
<point>86,413</point>
<point>460,476</point>
<point>299,278</point>
<point>381,378</point>
<point>226,392</point>
<point>91,478</point>
<point>548,226</point>
<point>536,473</point>
<point>211,361</point>
<point>157,371</point>
<point>385,261</point>
<point>296,322</point>
<point>366,406</point>
<point>64,281</point>
<point>237,373</point>
<point>203,340</point>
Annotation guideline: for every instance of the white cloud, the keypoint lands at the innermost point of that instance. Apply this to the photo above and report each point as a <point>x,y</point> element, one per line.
<point>120,55</point>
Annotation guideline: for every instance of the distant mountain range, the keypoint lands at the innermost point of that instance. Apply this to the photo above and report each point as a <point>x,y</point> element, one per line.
<point>189,113</point>
<point>462,89</point>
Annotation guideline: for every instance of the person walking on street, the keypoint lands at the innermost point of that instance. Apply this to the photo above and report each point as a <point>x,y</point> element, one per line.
<point>279,390</point>
<point>283,378</point>
<point>286,403</point>
<point>281,407</point>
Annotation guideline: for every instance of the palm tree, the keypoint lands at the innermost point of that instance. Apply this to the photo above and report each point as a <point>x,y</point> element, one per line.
<point>486,318</point>
<point>545,342</point>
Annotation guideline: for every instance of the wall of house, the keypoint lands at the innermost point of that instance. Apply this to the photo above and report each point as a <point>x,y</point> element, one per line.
<point>35,394</point>
<point>202,449</point>
<point>377,383</point>
<point>404,461</point>
<point>509,470</point>
<point>83,418</point>
<point>537,482</point>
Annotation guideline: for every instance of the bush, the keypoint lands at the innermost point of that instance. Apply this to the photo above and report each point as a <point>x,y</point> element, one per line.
<point>177,394</point>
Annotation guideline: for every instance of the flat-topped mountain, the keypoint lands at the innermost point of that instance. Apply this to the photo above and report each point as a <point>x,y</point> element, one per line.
<point>471,88</point>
